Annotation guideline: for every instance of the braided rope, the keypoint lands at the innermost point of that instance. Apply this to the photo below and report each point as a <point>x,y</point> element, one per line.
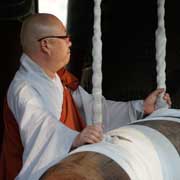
<point>161,52</point>
<point>97,59</point>
<point>97,63</point>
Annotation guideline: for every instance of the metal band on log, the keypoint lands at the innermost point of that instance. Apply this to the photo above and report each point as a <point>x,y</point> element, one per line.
<point>144,150</point>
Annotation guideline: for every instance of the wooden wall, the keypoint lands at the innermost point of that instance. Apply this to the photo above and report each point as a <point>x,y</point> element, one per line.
<point>128,35</point>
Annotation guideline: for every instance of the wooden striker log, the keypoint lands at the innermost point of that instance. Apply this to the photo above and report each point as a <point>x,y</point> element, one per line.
<point>96,166</point>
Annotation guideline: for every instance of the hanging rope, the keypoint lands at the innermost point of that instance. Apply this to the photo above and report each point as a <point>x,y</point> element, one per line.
<point>161,52</point>
<point>97,59</point>
<point>97,63</point>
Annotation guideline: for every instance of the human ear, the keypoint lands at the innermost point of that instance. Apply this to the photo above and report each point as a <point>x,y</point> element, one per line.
<point>45,46</point>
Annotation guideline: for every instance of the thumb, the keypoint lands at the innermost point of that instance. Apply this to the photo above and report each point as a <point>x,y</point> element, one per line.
<point>158,91</point>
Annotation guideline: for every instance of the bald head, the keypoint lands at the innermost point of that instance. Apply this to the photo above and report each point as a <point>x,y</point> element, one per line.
<point>37,26</point>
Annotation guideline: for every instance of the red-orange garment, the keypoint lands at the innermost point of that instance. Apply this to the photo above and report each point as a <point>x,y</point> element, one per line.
<point>70,114</point>
<point>12,149</point>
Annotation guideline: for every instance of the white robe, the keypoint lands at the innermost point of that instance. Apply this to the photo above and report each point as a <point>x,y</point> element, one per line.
<point>36,102</point>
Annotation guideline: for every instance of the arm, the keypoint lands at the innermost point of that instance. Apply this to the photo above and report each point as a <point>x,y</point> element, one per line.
<point>45,140</point>
<point>115,114</point>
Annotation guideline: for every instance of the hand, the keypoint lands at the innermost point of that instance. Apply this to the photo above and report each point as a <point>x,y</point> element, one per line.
<point>91,134</point>
<point>150,101</point>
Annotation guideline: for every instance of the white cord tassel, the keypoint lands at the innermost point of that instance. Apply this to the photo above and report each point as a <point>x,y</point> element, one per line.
<point>97,63</point>
<point>161,53</point>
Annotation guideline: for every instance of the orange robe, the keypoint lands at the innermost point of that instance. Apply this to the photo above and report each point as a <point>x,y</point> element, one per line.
<point>12,148</point>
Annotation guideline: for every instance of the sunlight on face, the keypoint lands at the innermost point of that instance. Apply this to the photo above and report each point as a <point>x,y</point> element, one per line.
<point>55,7</point>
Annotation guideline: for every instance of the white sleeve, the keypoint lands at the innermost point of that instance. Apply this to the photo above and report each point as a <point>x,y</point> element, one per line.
<point>46,141</point>
<point>115,114</point>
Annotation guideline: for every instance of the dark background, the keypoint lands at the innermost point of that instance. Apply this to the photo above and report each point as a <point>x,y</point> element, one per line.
<point>128,35</point>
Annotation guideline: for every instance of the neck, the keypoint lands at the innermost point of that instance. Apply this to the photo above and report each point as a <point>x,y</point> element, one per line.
<point>42,62</point>
<point>49,73</point>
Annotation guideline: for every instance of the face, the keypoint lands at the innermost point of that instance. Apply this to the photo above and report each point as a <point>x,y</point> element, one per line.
<point>61,50</point>
<point>58,45</point>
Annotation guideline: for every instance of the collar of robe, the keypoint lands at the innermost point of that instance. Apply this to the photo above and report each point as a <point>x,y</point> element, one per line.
<point>68,79</point>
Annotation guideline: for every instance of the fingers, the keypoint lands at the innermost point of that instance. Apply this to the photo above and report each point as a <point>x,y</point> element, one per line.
<point>91,139</point>
<point>150,101</point>
<point>167,99</point>
<point>158,91</point>
<point>166,96</point>
<point>90,134</point>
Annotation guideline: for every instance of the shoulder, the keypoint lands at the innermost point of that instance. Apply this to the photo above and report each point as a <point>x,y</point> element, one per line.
<point>20,93</point>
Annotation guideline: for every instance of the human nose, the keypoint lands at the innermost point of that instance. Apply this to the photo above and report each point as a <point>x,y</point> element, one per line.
<point>68,40</point>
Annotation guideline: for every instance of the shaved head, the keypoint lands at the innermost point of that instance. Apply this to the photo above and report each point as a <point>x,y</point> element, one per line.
<point>37,26</point>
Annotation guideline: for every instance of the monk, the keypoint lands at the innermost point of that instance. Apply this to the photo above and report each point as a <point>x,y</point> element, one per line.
<point>46,112</point>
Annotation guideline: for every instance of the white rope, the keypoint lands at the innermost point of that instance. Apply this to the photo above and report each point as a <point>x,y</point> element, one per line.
<point>161,52</point>
<point>97,63</point>
<point>97,59</point>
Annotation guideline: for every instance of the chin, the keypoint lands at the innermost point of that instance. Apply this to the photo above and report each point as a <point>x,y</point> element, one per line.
<point>67,61</point>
